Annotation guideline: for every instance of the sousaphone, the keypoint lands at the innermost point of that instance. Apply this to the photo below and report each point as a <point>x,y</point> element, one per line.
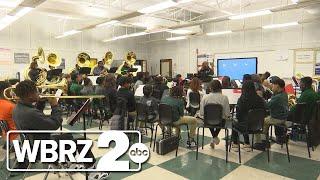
<point>83,60</point>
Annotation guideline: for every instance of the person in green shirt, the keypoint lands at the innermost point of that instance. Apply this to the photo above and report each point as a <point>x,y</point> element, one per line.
<point>177,104</point>
<point>278,106</point>
<point>308,96</point>
<point>75,88</point>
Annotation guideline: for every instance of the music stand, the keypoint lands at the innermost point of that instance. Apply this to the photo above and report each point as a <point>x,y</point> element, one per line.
<point>113,70</point>
<point>132,70</point>
<point>85,70</point>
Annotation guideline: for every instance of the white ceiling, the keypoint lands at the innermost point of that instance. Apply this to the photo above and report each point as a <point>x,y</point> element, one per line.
<point>83,13</point>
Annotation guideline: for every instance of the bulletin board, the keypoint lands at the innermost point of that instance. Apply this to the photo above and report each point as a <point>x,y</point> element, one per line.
<point>306,61</point>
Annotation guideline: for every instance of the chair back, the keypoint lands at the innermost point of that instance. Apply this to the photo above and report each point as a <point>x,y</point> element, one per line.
<point>256,119</point>
<point>141,111</point>
<point>156,93</point>
<point>213,115</point>
<point>300,115</point>
<point>194,99</point>
<point>165,114</point>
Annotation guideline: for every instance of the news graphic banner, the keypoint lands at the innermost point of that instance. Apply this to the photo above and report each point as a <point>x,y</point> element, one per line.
<point>68,151</point>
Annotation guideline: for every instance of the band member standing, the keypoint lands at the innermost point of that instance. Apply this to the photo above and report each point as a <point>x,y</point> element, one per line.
<point>204,74</point>
<point>34,71</point>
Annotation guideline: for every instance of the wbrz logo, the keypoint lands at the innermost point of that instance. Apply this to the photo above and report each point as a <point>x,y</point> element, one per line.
<point>49,151</point>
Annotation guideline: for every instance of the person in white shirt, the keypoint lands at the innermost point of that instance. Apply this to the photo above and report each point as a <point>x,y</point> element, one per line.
<point>216,97</point>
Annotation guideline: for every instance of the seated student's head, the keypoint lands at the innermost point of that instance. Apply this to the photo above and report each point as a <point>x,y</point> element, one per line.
<point>248,89</point>
<point>27,91</point>
<point>305,83</point>
<point>87,82</point>
<point>76,78</point>
<point>158,79</point>
<point>278,85</point>
<point>176,92</point>
<point>110,81</point>
<point>226,82</point>
<point>195,84</point>
<point>100,63</point>
<point>256,78</point>
<point>147,90</point>
<point>100,81</point>
<point>124,82</point>
<point>265,76</point>
<point>246,77</point>
<point>3,86</point>
<point>216,86</point>
<point>140,76</point>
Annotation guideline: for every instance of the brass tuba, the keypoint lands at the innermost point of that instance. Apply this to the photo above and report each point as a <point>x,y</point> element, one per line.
<point>130,60</point>
<point>108,59</point>
<point>83,60</point>
<point>53,60</point>
<point>39,57</point>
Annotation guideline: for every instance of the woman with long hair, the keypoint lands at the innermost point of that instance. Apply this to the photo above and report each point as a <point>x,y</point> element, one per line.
<point>248,100</point>
<point>194,93</point>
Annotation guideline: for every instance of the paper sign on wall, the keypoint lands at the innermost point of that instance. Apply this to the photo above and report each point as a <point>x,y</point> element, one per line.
<point>304,56</point>
<point>21,58</point>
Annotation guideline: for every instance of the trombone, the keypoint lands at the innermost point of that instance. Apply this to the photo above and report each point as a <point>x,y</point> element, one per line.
<point>9,94</point>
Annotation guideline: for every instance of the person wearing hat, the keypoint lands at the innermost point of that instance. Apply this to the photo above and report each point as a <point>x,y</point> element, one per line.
<point>100,69</point>
<point>278,106</point>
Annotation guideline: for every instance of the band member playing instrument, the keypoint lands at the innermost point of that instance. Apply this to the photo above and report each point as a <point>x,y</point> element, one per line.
<point>6,110</point>
<point>34,71</point>
<point>28,117</point>
<point>100,69</point>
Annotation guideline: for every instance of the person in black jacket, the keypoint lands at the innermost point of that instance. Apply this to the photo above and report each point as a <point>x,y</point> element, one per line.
<point>248,100</point>
<point>27,117</point>
<point>159,87</point>
<point>125,93</point>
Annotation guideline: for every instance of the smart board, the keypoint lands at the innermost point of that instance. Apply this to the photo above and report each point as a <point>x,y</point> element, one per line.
<point>235,68</point>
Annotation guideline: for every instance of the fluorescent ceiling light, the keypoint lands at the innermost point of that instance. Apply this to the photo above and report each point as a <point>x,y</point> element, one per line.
<point>184,1</point>
<point>176,38</point>
<point>126,36</point>
<point>158,7</point>
<point>218,33</point>
<point>112,22</point>
<point>180,31</point>
<point>23,11</point>
<point>247,15</point>
<point>139,24</point>
<point>10,3</point>
<point>68,33</point>
<point>9,19</point>
<point>271,26</point>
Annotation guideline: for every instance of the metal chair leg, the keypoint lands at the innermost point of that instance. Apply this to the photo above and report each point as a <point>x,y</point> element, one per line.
<point>239,149</point>
<point>197,143</point>
<point>308,142</point>
<point>178,145</point>
<point>152,129</point>
<point>202,137</point>
<point>155,137</point>
<point>268,146</point>
<point>252,141</point>
<point>287,150</point>
<point>227,140</point>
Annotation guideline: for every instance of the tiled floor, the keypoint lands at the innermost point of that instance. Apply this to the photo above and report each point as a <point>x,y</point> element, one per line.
<point>210,165</point>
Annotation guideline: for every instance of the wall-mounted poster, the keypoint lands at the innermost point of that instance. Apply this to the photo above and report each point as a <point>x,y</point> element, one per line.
<point>21,58</point>
<point>303,56</point>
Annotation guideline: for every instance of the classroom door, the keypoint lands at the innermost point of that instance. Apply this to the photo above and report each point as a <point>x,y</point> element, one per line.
<point>166,67</point>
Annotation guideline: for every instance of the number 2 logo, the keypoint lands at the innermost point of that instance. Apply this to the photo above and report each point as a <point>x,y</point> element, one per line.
<point>108,162</point>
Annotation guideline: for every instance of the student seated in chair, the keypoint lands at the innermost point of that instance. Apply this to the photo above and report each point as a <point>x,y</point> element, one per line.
<point>151,103</point>
<point>28,117</point>
<point>248,100</point>
<point>177,104</point>
<point>278,106</point>
<point>216,97</point>
<point>308,96</point>
<point>6,111</point>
